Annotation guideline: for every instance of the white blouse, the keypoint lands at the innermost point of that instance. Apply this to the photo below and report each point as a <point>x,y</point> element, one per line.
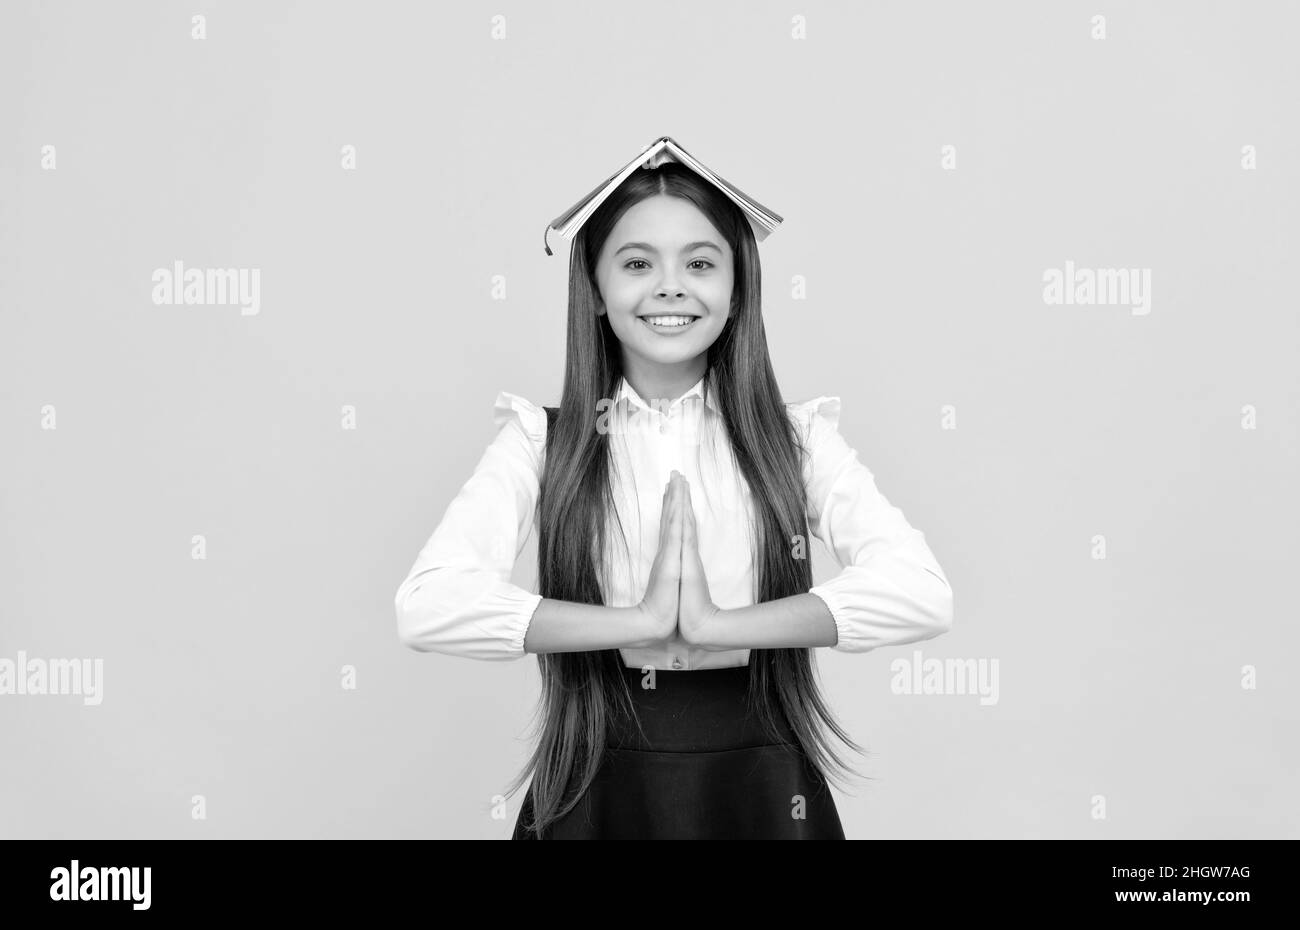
<point>459,599</point>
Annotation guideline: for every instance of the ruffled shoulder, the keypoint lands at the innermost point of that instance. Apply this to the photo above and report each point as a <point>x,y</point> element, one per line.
<point>816,415</point>
<point>530,416</point>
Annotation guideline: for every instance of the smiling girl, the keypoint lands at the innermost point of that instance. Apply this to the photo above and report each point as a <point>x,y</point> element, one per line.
<point>674,496</point>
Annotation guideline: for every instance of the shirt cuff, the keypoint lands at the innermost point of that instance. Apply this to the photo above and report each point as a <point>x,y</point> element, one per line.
<point>839,614</point>
<point>520,606</point>
<point>886,605</point>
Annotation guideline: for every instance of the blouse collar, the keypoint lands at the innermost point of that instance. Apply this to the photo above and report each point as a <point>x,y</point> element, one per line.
<point>626,391</point>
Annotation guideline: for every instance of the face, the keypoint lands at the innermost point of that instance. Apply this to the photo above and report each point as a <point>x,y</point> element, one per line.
<point>665,278</point>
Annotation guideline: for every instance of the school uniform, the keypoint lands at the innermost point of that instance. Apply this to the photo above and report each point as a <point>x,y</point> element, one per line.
<point>705,768</point>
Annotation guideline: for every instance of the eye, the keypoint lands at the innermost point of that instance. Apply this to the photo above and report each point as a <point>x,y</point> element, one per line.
<point>633,264</point>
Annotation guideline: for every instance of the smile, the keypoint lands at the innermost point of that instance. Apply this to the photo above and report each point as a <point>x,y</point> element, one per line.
<point>669,325</point>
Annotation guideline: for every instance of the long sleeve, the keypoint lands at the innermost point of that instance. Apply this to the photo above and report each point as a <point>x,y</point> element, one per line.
<point>891,589</point>
<point>458,598</point>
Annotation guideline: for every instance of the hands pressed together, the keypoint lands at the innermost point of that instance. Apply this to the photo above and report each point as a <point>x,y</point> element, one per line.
<point>677,601</point>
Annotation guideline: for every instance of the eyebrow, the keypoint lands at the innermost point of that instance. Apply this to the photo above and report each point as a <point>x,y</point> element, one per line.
<point>689,247</point>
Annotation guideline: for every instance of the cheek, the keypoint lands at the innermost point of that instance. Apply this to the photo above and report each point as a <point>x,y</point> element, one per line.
<point>721,309</point>
<point>720,294</point>
<point>621,304</point>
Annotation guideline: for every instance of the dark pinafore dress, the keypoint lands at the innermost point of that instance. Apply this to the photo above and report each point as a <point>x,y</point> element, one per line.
<point>705,769</point>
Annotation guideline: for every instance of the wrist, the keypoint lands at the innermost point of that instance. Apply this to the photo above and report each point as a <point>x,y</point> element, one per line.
<point>644,627</point>
<point>710,632</point>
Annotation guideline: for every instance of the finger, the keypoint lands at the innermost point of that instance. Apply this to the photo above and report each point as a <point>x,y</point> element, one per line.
<point>689,539</point>
<point>675,526</point>
<point>690,542</point>
<point>683,500</point>
<point>665,515</point>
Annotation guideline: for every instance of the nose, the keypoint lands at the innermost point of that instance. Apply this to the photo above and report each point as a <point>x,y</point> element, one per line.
<point>669,287</point>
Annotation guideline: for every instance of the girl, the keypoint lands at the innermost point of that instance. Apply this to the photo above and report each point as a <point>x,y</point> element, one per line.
<point>678,696</point>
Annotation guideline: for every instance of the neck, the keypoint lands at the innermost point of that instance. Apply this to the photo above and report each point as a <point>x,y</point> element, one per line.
<point>664,382</point>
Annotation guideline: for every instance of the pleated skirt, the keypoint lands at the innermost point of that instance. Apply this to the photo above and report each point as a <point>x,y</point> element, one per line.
<point>705,769</point>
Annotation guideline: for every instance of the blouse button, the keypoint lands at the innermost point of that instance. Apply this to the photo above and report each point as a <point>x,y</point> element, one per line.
<point>677,661</point>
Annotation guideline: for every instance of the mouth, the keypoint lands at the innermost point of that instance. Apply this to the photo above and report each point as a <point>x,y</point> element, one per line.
<point>669,324</point>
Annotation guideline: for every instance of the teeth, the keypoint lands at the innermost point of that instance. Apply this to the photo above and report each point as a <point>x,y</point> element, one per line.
<point>669,320</point>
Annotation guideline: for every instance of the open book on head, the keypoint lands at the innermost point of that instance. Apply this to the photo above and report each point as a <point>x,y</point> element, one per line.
<point>663,149</point>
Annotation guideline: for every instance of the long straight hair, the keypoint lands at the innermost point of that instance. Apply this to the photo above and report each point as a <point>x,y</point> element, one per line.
<point>582,690</point>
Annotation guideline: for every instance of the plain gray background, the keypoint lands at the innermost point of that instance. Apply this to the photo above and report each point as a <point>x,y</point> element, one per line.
<point>1119,677</point>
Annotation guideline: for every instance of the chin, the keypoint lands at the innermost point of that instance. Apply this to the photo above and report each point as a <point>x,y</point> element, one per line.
<point>670,357</point>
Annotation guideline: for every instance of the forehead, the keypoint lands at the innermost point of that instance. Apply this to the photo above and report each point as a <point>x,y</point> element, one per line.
<point>666,222</point>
